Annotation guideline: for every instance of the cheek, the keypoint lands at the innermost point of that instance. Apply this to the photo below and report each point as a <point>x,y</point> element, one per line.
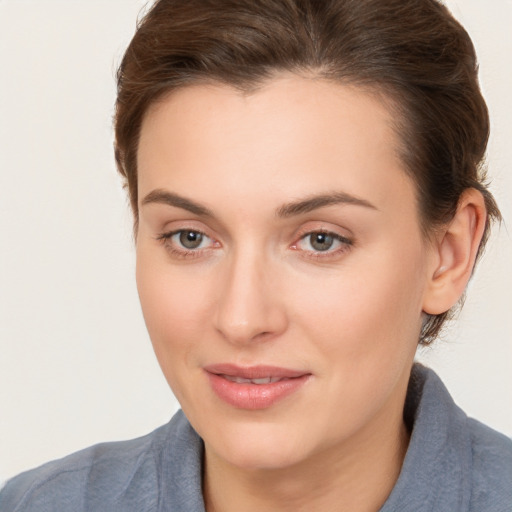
<point>364,326</point>
<point>174,306</point>
<point>371,307</point>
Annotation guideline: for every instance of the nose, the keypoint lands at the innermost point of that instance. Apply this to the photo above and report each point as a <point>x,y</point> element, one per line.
<point>249,308</point>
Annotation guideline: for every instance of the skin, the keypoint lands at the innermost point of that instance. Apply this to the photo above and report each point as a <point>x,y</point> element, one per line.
<point>256,291</point>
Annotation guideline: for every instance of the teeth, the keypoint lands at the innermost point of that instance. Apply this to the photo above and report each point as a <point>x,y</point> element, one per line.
<point>263,380</point>
<point>238,380</point>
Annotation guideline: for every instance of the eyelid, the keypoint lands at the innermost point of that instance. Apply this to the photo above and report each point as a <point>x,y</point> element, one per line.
<point>166,235</point>
<point>182,252</point>
<point>168,229</point>
<point>310,229</point>
<point>345,244</point>
<point>333,234</point>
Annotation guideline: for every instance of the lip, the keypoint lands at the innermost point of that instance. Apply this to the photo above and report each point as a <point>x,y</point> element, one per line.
<point>252,396</point>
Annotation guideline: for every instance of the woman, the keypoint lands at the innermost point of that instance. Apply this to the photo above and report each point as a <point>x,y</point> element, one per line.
<point>309,204</point>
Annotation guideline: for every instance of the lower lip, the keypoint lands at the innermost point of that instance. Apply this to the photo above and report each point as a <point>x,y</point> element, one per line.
<point>254,396</point>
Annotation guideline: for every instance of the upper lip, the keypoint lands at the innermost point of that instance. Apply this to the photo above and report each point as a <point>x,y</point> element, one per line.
<point>254,372</point>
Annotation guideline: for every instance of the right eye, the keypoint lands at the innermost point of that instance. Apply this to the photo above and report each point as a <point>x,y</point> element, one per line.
<point>189,239</point>
<point>186,242</point>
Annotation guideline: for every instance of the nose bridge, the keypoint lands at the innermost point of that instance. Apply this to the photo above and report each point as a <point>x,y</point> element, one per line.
<point>248,308</point>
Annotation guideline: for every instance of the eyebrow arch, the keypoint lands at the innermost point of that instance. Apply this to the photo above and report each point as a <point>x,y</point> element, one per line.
<point>161,196</point>
<point>300,207</point>
<point>319,201</point>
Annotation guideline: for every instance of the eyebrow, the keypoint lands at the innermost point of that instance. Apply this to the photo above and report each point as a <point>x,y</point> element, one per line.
<point>164,197</point>
<point>294,208</point>
<point>319,201</point>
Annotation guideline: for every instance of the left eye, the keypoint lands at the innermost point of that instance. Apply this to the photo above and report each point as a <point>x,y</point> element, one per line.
<point>322,242</point>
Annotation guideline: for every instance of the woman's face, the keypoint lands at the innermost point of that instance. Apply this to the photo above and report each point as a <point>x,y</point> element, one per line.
<point>280,266</point>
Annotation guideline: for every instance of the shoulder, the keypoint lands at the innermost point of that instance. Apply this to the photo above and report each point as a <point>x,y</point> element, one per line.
<point>492,468</point>
<point>102,477</point>
<point>453,463</point>
<point>481,455</point>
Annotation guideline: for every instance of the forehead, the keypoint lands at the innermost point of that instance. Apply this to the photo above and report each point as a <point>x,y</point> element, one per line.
<point>279,103</point>
<point>291,134</point>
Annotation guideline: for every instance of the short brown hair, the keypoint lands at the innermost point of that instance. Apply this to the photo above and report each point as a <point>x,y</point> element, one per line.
<point>413,52</point>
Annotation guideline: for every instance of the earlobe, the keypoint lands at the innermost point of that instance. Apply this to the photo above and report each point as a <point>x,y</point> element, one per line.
<point>455,251</point>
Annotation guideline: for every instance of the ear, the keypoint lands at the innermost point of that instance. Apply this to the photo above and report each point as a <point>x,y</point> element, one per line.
<point>454,254</point>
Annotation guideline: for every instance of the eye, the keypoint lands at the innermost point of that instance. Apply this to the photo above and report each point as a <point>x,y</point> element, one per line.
<point>189,239</point>
<point>186,242</point>
<point>320,241</point>
<point>323,242</point>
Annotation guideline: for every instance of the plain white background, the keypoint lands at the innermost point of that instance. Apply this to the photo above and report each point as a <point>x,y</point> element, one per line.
<point>76,365</point>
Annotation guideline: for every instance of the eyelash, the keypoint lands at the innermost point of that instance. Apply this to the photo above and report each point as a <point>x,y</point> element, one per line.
<point>183,253</point>
<point>345,245</point>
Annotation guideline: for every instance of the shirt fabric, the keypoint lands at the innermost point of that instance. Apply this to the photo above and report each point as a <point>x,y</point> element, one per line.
<point>453,464</point>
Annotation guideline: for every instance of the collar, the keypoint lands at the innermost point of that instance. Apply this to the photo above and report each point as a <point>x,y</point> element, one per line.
<point>436,473</point>
<point>435,476</point>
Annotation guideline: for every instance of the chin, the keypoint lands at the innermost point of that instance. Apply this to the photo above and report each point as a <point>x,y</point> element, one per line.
<point>258,446</point>
<point>257,457</point>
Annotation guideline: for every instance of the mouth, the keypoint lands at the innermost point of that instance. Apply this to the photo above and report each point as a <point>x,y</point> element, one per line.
<point>263,380</point>
<point>254,387</point>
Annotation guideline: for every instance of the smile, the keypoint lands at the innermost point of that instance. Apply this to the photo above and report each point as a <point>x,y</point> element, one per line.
<point>256,387</point>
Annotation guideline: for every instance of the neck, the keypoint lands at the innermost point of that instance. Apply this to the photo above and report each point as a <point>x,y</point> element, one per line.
<point>359,474</point>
